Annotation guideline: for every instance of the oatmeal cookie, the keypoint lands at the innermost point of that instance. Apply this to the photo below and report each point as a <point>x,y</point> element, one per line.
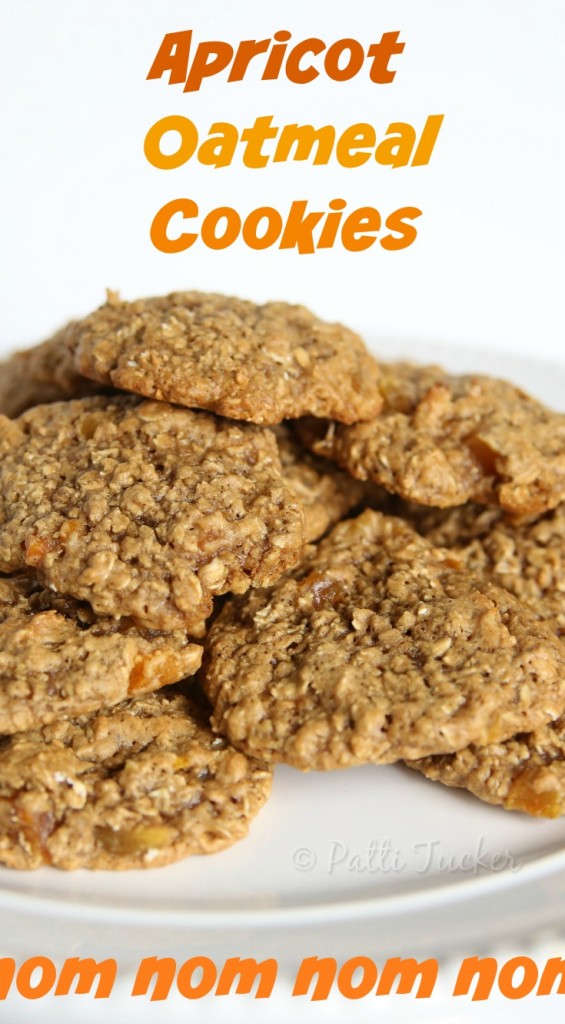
<point>444,440</point>
<point>140,785</point>
<point>45,373</point>
<point>377,646</point>
<point>526,773</point>
<point>144,509</point>
<point>523,556</point>
<point>232,357</point>
<point>325,492</point>
<point>57,659</point>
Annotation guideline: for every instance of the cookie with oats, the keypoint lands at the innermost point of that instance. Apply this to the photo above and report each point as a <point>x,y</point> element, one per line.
<point>139,785</point>
<point>230,356</point>
<point>444,440</point>
<point>526,773</point>
<point>144,509</point>
<point>45,373</point>
<point>58,660</point>
<point>378,647</point>
<point>325,492</point>
<point>523,556</point>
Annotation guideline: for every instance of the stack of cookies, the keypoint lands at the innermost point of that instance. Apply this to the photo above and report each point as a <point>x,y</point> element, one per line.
<point>229,538</point>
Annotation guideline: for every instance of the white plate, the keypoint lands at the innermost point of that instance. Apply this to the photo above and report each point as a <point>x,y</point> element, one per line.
<point>372,855</point>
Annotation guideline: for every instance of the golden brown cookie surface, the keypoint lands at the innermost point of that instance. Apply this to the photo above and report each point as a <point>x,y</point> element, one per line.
<point>140,785</point>
<point>57,659</point>
<point>444,440</point>
<point>525,557</point>
<point>144,509</point>
<point>45,373</point>
<point>325,492</point>
<point>230,356</point>
<point>526,773</point>
<point>378,644</point>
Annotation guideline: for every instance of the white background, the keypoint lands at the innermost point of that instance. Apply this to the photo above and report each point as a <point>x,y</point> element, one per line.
<point>486,272</point>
